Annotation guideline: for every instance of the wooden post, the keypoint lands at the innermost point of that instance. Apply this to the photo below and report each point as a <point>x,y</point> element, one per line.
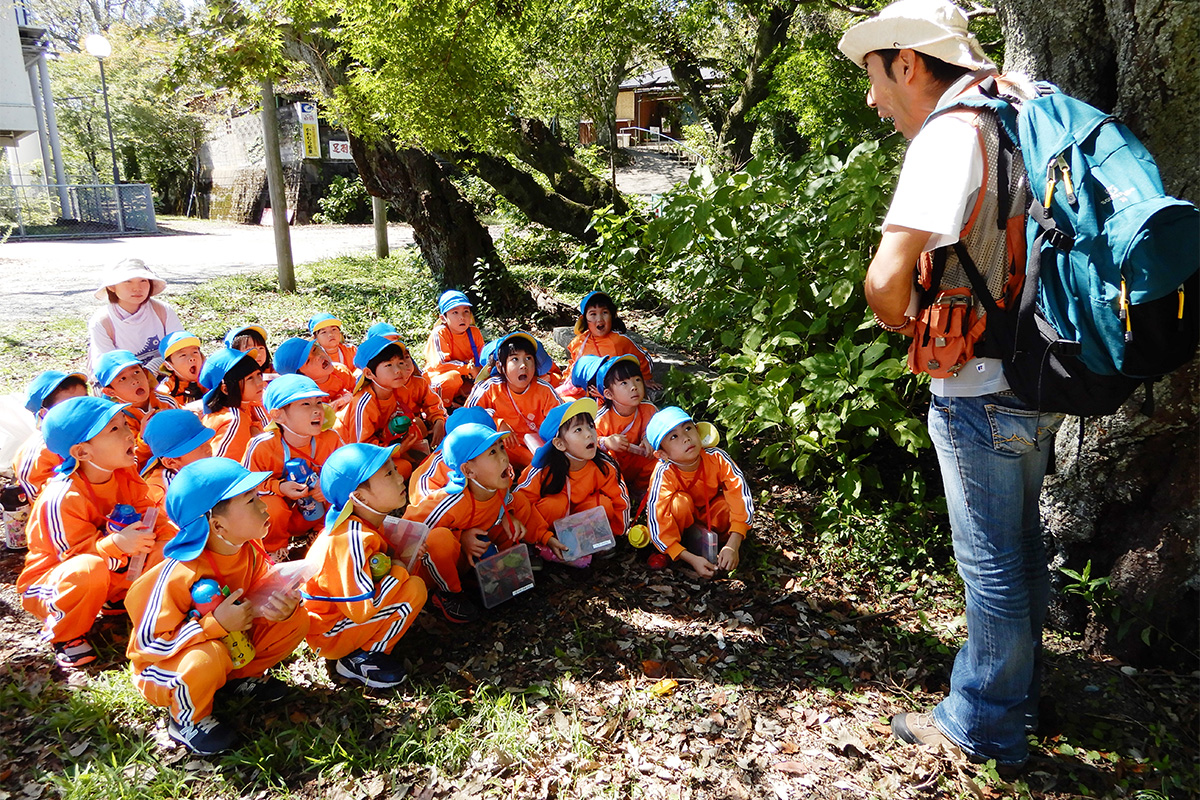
<point>379,216</point>
<point>277,190</point>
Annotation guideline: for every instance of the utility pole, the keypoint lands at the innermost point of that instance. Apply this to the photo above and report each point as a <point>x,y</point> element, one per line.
<point>277,190</point>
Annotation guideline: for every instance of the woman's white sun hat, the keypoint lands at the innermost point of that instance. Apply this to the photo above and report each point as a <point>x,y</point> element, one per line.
<point>129,269</point>
<point>935,28</point>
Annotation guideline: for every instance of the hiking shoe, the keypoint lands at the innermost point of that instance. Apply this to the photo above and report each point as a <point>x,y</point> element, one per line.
<point>455,607</point>
<point>113,608</point>
<point>919,729</point>
<point>205,737</point>
<point>262,688</point>
<point>74,653</point>
<point>376,670</point>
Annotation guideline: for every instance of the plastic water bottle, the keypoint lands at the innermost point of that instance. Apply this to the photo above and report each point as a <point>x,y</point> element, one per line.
<point>297,470</point>
<point>206,596</point>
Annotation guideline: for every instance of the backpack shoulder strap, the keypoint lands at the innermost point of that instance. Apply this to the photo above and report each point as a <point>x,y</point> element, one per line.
<point>106,323</point>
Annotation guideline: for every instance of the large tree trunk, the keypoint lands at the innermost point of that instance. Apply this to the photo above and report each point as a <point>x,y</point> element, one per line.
<point>1128,501</point>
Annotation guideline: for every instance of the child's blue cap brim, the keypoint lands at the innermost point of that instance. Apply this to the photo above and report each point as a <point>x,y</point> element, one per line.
<point>77,420</point>
<point>174,342</point>
<point>112,364</point>
<point>323,321</point>
<point>349,467</point>
<point>291,355</point>
<point>287,389</point>
<point>46,384</point>
<point>555,419</point>
<point>452,299</point>
<point>216,368</point>
<point>372,347</point>
<point>194,492</point>
<point>173,433</point>
<point>384,329</point>
<point>607,367</point>
<point>583,304</point>
<point>663,422</point>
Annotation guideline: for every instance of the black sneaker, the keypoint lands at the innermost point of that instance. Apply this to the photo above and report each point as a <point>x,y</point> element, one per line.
<point>207,737</point>
<point>113,608</point>
<point>74,653</point>
<point>455,607</point>
<point>376,670</point>
<point>263,688</point>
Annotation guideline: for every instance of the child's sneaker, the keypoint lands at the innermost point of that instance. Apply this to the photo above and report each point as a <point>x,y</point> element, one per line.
<point>113,608</point>
<point>376,670</point>
<point>455,607</point>
<point>206,737</point>
<point>263,688</point>
<point>74,653</point>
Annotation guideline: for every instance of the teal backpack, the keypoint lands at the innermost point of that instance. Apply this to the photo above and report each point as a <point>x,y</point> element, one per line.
<point>1111,284</point>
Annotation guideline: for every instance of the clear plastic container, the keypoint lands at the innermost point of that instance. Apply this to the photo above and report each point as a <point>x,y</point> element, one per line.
<point>405,539</point>
<point>504,575</point>
<point>701,541</point>
<point>285,577</point>
<point>585,533</point>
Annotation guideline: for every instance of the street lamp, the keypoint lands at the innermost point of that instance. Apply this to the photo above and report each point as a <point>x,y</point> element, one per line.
<point>96,45</point>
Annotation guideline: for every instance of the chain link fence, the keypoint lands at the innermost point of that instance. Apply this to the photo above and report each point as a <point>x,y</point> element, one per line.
<point>32,211</point>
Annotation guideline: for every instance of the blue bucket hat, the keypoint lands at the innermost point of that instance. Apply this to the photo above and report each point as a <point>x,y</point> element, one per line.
<point>555,419</point>
<point>544,362</point>
<point>452,299</point>
<point>474,415</point>
<point>466,442</point>
<point>323,321</point>
<point>174,342</point>
<point>583,304</point>
<point>173,433</point>
<point>112,364</point>
<point>349,467</point>
<point>288,389</point>
<point>236,332</point>
<point>74,421</point>
<point>585,370</point>
<point>385,329</point>
<point>217,367</point>
<point>291,355</point>
<point>45,384</point>
<point>371,347</point>
<point>607,367</point>
<point>194,492</point>
<point>663,422</point>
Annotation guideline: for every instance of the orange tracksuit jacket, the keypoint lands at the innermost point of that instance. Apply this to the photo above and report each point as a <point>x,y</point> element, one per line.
<point>182,393</point>
<point>235,428</point>
<point>265,453</point>
<point>429,476</point>
<point>611,344</point>
<point>137,419</point>
<point>585,488</point>
<point>348,609</point>
<point>449,358</point>
<point>179,662</point>
<point>635,468</point>
<point>34,465</point>
<point>339,381</point>
<point>520,413</point>
<point>449,515</point>
<point>344,355</point>
<point>73,565</point>
<point>420,403</point>
<point>715,495</point>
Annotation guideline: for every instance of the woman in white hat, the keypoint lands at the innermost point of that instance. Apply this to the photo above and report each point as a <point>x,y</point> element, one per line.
<point>131,320</point>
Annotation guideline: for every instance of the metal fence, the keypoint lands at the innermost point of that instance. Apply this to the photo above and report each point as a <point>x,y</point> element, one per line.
<point>39,210</point>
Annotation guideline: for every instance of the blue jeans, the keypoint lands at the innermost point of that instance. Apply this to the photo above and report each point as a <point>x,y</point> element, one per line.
<point>993,452</point>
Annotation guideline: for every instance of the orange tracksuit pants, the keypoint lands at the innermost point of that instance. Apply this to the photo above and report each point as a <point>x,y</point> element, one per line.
<point>68,597</point>
<point>286,522</point>
<point>378,634</point>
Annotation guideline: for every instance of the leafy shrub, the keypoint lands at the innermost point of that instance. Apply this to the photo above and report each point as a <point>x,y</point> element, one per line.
<point>345,202</point>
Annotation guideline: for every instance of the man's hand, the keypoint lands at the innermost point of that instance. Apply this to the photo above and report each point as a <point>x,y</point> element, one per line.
<point>890,278</point>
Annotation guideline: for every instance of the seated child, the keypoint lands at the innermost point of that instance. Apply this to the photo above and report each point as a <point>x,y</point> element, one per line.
<point>359,611</point>
<point>182,362</point>
<point>326,330</point>
<point>518,399</point>
<point>34,463</point>
<point>180,651</point>
<point>581,380</point>
<point>472,512</point>
<point>389,393</point>
<point>432,473</point>
<point>252,339</point>
<point>233,402</point>
<point>622,421</point>
<point>176,438</point>
<point>694,486</point>
<point>304,357</point>
<point>452,353</point>
<point>296,431</point>
<point>600,331</point>
<point>570,473</point>
<point>122,378</point>
<point>76,560</point>
<point>131,320</point>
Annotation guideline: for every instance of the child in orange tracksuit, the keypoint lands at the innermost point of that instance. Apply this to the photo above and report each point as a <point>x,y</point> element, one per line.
<point>34,463</point>
<point>693,485</point>
<point>570,473</point>
<point>176,438</point>
<point>326,330</point>
<point>295,432</point>
<point>360,602</point>
<point>182,648</point>
<point>76,560</point>
<point>182,362</point>
<point>390,392</point>
<point>518,399</point>
<point>452,353</point>
<point>432,473</point>
<point>297,356</point>
<point>622,421</point>
<point>233,402</point>
<point>123,379</point>
<point>470,514</point>
<point>601,332</point>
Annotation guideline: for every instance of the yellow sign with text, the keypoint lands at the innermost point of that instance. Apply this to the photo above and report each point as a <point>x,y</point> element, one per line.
<point>312,140</point>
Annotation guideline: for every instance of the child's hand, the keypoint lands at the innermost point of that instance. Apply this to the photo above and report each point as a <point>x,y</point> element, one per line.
<point>728,558</point>
<point>293,490</point>
<point>617,443</point>
<point>315,492</point>
<point>279,606</point>
<point>341,401</point>
<point>438,433</point>
<point>135,538</point>
<point>558,547</point>
<point>233,615</point>
<point>475,543</point>
<point>703,567</point>
<point>410,439</point>
<point>516,528</point>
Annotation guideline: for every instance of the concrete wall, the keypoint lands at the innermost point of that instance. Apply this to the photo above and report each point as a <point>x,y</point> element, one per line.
<point>17,115</point>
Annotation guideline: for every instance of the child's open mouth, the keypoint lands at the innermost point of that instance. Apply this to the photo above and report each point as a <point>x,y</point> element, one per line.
<point>509,474</point>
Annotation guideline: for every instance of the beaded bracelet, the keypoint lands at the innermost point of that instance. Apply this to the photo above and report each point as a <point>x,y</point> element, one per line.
<point>892,328</point>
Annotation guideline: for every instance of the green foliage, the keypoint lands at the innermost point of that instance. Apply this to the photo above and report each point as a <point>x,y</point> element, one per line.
<point>345,201</point>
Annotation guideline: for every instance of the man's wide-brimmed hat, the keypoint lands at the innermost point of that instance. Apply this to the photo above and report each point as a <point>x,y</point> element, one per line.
<point>936,28</point>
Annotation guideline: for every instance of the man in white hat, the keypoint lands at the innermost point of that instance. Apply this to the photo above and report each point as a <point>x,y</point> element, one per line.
<point>991,447</point>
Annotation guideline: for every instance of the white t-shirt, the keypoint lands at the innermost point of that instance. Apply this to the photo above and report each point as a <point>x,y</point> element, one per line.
<point>941,177</point>
<point>139,332</point>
